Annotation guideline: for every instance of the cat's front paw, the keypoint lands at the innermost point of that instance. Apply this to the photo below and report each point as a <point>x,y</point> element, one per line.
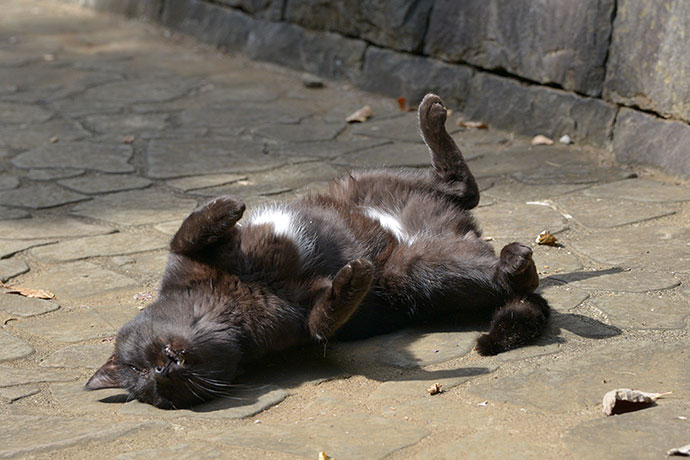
<point>221,210</point>
<point>353,279</point>
<point>516,262</point>
<point>207,225</point>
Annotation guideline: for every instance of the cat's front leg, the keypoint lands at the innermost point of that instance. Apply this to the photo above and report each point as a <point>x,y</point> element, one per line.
<point>206,225</point>
<point>341,299</point>
<point>517,266</point>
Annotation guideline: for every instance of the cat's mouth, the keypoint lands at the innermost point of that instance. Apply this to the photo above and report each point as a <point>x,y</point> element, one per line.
<point>174,355</point>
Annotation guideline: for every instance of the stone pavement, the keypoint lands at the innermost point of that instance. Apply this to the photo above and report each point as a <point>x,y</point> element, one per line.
<point>112,131</point>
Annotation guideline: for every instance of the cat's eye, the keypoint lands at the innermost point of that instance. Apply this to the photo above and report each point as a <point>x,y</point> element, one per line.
<point>136,369</point>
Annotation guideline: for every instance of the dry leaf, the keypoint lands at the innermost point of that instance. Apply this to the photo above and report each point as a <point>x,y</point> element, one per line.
<point>54,139</point>
<point>546,238</point>
<point>625,400</point>
<point>128,139</point>
<point>402,104</point>
<point>27,292</point>
<point>680,451</point>
<point>434,389</point>
<point>361,115</point>
<point>472,124</point>
<point>323,456</point>
<point>541,140</point>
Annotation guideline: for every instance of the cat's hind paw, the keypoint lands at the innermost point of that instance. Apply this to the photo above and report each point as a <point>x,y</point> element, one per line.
<point>432,113</point>
<point>517,323</point>
<point>488,346</point>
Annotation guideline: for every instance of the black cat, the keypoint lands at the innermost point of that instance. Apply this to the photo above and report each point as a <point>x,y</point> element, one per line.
<point>381,250</point>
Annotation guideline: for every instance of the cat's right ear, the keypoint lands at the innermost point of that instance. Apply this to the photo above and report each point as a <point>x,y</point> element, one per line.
<point>108,376</point>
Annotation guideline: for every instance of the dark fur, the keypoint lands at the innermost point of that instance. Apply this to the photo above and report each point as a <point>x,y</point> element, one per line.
<point>232,293</point>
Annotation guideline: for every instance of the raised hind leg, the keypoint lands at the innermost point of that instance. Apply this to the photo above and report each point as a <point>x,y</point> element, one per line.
<point>450,167</point>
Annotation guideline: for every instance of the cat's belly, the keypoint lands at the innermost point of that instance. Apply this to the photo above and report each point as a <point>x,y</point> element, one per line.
<point>391,223</point>
<point>287,223</point>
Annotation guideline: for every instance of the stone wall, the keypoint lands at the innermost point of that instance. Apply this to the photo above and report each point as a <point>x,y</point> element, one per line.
<point>610,73</point>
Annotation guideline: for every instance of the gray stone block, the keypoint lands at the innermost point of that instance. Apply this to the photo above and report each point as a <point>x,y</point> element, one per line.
<point>265,9</point>
<point>210,23</point>
<point>323,53</point>
<point>403,75</point>
<point>648,63</point>
<point>532,109</point>
<point>397,24</point>
<point>548,41</point>
<point>640,138</point>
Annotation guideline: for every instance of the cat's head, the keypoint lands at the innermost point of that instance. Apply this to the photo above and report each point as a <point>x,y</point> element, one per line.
<point>176,353</point>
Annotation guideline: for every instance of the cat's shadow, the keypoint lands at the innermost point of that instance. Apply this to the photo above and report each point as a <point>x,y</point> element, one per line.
<point>396,357</point>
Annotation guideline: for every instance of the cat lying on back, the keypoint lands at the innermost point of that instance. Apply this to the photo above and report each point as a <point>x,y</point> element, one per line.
<point>382,249</point>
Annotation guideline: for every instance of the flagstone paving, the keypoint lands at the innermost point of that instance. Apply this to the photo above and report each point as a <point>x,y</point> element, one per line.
<point>113,131</point>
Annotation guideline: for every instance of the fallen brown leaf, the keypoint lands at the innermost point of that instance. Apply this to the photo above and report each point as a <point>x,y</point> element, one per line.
<point>54,139</point>
<point>680,451</point>
<point>625,400</point>
<point>361,115</point>
<point>435,389</point>
<point>541,140</point>
<point>472,124</point>
<point>402,103</point>
<point>546,238</point>
<point>28,292</point>
<point>128,139</point>
<point>323,456</point>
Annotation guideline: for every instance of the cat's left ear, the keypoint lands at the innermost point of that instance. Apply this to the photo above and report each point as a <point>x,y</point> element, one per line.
<point>108,376</point>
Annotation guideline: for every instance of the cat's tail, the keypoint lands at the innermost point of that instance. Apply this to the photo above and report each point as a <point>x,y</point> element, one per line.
<point>517,323</point>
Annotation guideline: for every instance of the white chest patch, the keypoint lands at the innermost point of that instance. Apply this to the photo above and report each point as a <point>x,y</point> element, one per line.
<point>391,223</point>
<point>284,224</point>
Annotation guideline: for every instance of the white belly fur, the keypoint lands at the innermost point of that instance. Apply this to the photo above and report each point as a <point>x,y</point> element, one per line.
<point>391,223</point>
<point>284,224</point>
